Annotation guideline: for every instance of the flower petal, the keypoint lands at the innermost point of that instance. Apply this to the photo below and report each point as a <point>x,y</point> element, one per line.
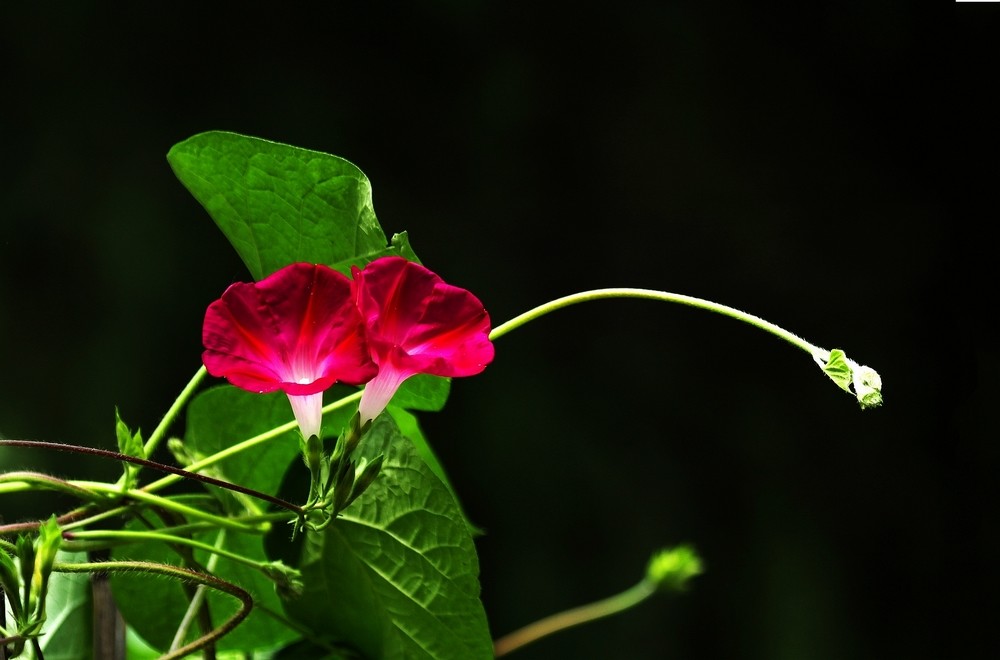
<point>417,323</point>
<point>380,390</point>
<point>296,330</point>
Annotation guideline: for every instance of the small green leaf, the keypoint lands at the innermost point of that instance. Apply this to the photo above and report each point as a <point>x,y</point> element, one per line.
<point>838,369</point>
<point>279,204</point>
<point>396,576</point>
<point>129,444</point>
<point>398,247</point>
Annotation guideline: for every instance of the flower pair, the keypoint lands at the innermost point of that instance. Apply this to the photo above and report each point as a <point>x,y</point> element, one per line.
<point>307,326</point>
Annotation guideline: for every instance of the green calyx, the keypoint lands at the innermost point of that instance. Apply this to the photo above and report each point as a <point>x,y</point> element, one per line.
<point>337,479</point>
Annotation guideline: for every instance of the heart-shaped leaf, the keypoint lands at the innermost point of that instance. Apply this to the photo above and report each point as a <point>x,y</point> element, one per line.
<point>396,576</point>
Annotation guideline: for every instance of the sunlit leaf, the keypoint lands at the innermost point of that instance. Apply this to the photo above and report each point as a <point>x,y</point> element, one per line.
<point>278,204</point>
<point>129,444</point>
<point>423,392</point>
<point>839,370</point>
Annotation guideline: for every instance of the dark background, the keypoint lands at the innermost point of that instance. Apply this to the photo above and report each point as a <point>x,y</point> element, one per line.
<point>832,170</point>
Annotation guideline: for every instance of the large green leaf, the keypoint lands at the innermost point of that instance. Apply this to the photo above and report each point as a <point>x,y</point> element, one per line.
<point>278,204</point>
<point>396,576</point>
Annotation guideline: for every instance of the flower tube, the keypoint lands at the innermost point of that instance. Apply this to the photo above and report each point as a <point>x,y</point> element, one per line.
<point>416,324</point>
<point>296,330</point>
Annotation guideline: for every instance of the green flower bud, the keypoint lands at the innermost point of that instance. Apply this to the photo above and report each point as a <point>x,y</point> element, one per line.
<point>49,540</point>
<point>671,568</point>
<point>343,488</point>
<point>867,387</point>
<point>367,474</point>
<point>863,382</point>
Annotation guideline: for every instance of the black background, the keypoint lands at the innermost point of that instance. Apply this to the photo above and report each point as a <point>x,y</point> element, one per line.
<point>833,170</point>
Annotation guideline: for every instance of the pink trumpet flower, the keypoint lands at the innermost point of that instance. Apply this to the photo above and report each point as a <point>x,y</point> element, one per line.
<point>297,330</point>
<point>416,324</point>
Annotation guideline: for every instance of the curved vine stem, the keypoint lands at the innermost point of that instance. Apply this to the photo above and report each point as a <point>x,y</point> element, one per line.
<point>860,381</point>
<point>48,482</point>
<point>161,429</point>
<point>185,575</point>
<point>117,536</point>
<point>663,296</point>
<point>574,617</point>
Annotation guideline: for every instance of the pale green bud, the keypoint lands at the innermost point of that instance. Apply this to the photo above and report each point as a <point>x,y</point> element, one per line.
<point>867,386</point>
<point>671,568</point>
<point>861,381</point>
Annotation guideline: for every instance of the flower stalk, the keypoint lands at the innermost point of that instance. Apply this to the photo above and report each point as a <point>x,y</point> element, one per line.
<point>669,570</point>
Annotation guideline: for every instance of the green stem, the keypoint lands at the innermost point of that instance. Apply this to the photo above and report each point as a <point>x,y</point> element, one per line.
<point>177,529</point>
<point>664,296</point>
<point>158,536</point>
<point>124,458</point>
<point>574,617</point>
<point>97,517</point>
<point>183,574</point>
<point>30,480</point>
<point>199,596</point>
<point>161,429</point>
<point>168,504</point>
<point>246,444</point>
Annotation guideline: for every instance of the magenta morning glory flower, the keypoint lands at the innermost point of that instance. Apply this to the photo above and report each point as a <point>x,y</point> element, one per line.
<point>296,330</point>
<point>417,324</point>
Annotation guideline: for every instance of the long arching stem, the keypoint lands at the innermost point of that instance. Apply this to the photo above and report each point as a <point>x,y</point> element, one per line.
<point>663,296</point>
